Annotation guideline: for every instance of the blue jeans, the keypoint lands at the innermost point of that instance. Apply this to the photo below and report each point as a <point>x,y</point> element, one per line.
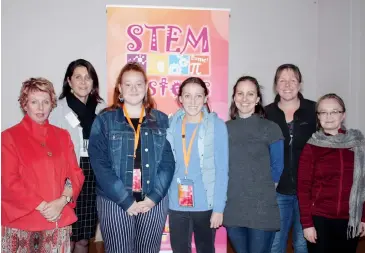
<point>289,217</point>
<point>249,240</point>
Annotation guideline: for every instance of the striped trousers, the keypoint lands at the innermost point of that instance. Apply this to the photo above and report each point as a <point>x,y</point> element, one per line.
<point>123,233</point>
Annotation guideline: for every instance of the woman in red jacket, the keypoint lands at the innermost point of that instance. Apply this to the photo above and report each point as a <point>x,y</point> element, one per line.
<point>40,177</point>
<point>331,182</point>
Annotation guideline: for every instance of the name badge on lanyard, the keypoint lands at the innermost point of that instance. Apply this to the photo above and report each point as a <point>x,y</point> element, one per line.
<point>186,193</point>
<point>72,119</point>
<point>137,173</point>
<point>84,144</point>
<point>186,186</point>
<point>137,180</point>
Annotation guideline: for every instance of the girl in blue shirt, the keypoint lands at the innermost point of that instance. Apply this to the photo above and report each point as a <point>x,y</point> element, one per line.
<point>197,194</point>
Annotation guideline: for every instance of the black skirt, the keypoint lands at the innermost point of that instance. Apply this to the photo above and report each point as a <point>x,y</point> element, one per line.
<point>85,226</point>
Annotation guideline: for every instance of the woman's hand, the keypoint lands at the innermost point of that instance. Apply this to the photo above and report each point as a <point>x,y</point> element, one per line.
<point>52,210</point>
<point>216,220</point>
<point>134,209</point>
<point>146,205</point>
<point>41,206</point>
<point>362,229</point>
<point>310,234</point>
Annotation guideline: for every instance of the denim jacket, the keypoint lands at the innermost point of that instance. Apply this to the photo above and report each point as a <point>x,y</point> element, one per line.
<point>111,149</point>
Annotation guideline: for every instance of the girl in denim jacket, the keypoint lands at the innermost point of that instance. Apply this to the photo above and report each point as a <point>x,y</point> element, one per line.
<point>133,164</point>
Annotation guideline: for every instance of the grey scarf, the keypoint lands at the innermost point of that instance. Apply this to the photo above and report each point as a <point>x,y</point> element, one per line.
<point>353,139</point>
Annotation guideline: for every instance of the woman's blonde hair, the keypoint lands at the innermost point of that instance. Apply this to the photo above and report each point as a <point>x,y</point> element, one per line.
<point>330,96</point>
<point>33,85</point>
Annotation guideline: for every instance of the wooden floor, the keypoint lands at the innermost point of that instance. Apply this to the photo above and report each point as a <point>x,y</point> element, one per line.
<point>99,248</point>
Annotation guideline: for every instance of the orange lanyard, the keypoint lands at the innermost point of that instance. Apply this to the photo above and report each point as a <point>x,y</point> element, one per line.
<point>187,153</point>
<point>136,133</point>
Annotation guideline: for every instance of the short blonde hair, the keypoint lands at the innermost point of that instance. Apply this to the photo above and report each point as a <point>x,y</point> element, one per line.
<point>33,85</point>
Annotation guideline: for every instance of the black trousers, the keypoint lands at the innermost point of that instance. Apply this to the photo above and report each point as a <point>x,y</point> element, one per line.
<point>183,224</point>
<point>332,237</point>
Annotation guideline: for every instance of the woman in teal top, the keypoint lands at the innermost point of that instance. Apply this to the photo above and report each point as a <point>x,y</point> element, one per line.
<point>197,195</point>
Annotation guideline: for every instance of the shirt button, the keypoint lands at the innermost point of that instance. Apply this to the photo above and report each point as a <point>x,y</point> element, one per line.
<point>113,137</point>
<point>146,149</point>
<point>49,153</point>
<point>145,133</point>
<point>147,165</point>
<point>148,181</point>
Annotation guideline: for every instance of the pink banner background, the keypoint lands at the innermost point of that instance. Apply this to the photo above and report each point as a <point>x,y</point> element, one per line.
<point>172,44</point>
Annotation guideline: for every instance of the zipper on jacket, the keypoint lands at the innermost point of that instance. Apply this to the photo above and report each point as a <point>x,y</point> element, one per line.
<point>317,195</point>
<point>291,134</point>
<point>340,188</point>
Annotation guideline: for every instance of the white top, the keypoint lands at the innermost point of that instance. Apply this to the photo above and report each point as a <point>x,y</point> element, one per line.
<point>63,117</point>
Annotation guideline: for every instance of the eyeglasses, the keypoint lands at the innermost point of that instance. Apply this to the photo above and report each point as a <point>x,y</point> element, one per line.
<point>333,113</point>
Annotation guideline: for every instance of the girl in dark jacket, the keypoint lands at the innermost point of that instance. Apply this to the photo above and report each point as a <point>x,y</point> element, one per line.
<point>331,182</point>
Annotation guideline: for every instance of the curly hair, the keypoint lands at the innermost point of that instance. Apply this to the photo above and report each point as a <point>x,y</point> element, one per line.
<point>34,85</point>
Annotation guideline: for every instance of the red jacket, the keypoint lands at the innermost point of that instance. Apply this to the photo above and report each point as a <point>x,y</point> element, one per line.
<point>35,162</point>
<point>325,178</point>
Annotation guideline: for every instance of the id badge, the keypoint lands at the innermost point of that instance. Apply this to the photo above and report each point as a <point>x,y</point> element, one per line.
<point>84,144</point>
<point>72,119</point>
<point>137,183</point>
<point>186,193</point>
<point>83,149</point>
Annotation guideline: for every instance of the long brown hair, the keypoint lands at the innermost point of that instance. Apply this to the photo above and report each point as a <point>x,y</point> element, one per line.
<point>148,101</point>
<point>66,89</point>
<point>259,108</point>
